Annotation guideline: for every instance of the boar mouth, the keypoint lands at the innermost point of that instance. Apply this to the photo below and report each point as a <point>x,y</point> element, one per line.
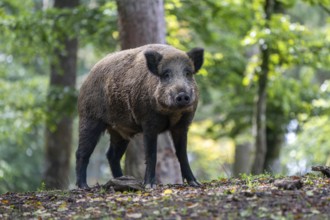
<point>175,107</point>
<point>181,101</point>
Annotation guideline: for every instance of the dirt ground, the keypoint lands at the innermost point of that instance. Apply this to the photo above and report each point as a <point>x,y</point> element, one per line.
<point>248,197</point>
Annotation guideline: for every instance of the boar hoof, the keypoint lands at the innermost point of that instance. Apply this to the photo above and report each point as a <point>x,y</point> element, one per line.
<point>194,183</point>
<point>150,186</point>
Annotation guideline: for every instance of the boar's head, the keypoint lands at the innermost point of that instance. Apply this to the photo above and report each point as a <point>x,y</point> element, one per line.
<point>176,87</point>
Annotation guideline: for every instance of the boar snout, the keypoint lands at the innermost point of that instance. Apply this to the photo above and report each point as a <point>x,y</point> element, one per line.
<point>182,99</point>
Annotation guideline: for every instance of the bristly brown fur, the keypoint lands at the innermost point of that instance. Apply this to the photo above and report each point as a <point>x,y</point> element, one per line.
<point>148,89</point>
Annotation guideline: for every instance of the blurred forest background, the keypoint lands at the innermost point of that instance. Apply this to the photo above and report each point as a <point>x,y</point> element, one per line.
<point>265,88</point>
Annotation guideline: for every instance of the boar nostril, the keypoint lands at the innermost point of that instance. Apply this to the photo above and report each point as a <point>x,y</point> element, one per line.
<point>182,99</point>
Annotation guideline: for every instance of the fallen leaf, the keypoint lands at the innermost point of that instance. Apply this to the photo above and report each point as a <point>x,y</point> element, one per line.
<point>5,202</point>
<point>192,205</point>
<point>167,192</point>
<point>315,211</point>
<point>309,193</point>
<point>81,200</point>
<point>90,208</point>
<point>134,215</point>
<point>63,207</point>
<point>99,199</point>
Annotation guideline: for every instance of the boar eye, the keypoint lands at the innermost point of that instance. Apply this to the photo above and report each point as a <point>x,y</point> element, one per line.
<point>187,72</point>
<point>166,74</point>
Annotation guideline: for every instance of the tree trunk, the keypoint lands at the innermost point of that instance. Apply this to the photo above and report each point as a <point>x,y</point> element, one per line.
<point>274,142</point>
<point>142,22</point>
<point>260,111</point>
<point>61,102</point>
<point>275,134</point>
<point>242,163</point>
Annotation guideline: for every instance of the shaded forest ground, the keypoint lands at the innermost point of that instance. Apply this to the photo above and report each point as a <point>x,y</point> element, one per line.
<point>248,197</point>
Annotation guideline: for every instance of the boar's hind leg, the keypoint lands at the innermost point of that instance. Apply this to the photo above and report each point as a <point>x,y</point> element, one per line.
<point>179,137</point>
<point>116,151</point>
<point>89,134</point>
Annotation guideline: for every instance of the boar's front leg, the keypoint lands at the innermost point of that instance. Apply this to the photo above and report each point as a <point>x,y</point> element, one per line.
<point>118,146</point>
<point>150,147</point>
<point>89,133</point>
<point>179,136</point>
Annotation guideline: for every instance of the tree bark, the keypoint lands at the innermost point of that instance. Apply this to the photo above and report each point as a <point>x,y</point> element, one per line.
<point>260,111</point>
<point>59,121</point>
<point>275,134</point>
<point>142,22</point>
<point>242,163</point>
<point>274,139</point>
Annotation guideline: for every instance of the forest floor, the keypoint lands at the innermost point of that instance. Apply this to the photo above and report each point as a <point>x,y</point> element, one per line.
<point>248,197</point>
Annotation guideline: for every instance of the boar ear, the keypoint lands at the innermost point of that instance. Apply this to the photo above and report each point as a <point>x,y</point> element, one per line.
<point>197,56</point>
<point>153,58</point>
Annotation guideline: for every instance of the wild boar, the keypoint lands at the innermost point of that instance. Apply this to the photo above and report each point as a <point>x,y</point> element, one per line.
<point>149,89</point>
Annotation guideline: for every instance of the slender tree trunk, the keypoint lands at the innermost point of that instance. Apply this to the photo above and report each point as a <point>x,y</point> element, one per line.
<point>275,135</point>
<point>61,102</point>
<point>142,22</point>
<point>260,111</point>
<point>274,142</point>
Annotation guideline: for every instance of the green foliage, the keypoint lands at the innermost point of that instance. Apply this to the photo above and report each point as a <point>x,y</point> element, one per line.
<point>29,36</point>
<point>61,101</point>
<point>289,98</point>
<point>21,128</point>
<point>311,145</point>
<point>92,25</point>
<point>42,187</point>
